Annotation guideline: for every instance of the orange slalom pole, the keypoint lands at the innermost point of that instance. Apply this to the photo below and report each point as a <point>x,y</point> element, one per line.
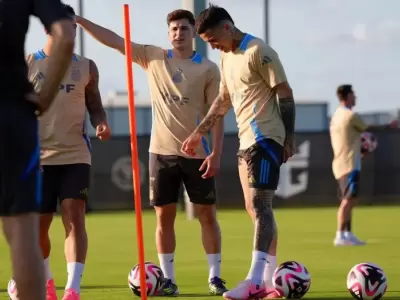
<point>134,154</point>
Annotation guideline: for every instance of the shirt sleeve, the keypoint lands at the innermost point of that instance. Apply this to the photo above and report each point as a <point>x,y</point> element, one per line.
<point>144,54</point>
<point>358,123</point>
<point>213,83</point>
<point>49,12</point>
<point>266,61</point>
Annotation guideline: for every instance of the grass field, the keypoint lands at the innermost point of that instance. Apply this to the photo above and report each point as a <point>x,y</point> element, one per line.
<point>305,235</point>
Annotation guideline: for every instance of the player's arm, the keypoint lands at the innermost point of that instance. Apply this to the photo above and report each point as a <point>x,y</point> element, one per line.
<point>93,101</point>
<point>211,93</point>
<point>218,109</point>
<point>56,20</point>
<point>113,40</point>
<point>268,64</point>
<point>358,123</point>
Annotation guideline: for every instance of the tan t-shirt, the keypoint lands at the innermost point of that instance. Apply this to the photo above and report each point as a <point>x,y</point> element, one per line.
<point>249,75</point>
<point>345,129</point>
<point>181,91</point>
<point>62,128</point>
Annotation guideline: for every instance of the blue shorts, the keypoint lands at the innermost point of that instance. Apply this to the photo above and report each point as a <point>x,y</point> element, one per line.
<point>349,185</point>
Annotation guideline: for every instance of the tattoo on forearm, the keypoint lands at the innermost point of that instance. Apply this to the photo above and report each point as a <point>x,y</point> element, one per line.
<point>93,98</point>
<point>217,111</point>
<point>288,112</point>
<point>265,226</point>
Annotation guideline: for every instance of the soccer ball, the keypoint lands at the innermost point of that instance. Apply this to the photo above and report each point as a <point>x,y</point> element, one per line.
<point>154,278</point>
<point>367,281</point>
<point>12,290</point>
<point>368,142</point>
<point>291,280</point>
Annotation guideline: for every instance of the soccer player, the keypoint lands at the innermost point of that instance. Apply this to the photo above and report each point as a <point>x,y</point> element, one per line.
<point>20,193</point>
<point>345,129</point>
<point>182,85</point>
<point>252,79</point>
<point>66,156</point>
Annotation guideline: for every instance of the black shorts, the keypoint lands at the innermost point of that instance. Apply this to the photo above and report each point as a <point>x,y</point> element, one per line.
<point>167,172</point>
<point>349,185</point>
<point>264,160</point>
<point>20,178</point>
<point>64,182</point>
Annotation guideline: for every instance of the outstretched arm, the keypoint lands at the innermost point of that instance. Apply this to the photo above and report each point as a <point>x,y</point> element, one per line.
<point>93,101</point>
<point>103,35</point>
<point>113,40</point>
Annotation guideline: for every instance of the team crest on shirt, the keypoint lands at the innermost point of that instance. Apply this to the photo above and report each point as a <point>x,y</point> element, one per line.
<point>178,76</point>
<point>75,74</point>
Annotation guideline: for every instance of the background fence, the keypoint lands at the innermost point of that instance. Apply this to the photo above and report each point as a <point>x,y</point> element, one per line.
<point>305,180</point>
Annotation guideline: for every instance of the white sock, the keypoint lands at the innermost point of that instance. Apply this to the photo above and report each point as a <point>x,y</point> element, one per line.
<point>75,271</point>
<point>269,270</point>
<point>347,234</point>
<point>47,272</point>
<point>340,234</point>
<point>258,263</point>
<point>214,264</point>
<point>167,265</point>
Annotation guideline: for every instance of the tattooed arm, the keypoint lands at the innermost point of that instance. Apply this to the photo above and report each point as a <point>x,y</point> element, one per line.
<point>287,108</point>
<point>266,61</point>
<point>93,101</point>
<point>218,110</point>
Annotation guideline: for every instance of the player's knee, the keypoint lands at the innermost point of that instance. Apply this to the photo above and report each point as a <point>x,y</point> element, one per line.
<point>261,201</point>
<point>73,215</point>
<point>166,215</point>
<point>45,223</point>
<point>21,231</point>
<point>206,214</point>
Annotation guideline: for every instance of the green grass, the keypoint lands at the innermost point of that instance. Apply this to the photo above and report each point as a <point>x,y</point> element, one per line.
<point>305,235</point>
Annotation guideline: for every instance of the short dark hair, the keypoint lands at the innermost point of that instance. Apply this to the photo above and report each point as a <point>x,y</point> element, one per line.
<point>343,91</point>
<point>211,17</point>
<point>180,14</point>
<point>69,10</point>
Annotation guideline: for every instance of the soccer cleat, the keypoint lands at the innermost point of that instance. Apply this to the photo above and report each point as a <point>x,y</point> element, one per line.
<point>246,290</point>
<point>354,240</point>
<point>217,287</point>
<point>51,293</point>
<point>272,294</point>
<point>71,294</point>
<point>168,288</point>
<point>342,242</point>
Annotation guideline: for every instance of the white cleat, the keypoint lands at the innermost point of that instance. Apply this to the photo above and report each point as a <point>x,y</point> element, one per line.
<point>354,240</point>
<point>340,242</point>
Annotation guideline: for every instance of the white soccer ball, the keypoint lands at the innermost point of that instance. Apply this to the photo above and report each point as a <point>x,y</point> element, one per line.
<point>154,278</point>
<point>12,290</point>
<point>367,281</point>
<point>368,142</point>
<point>291,280</point>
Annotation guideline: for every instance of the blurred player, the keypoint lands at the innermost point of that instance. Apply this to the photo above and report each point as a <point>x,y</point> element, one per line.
<point>345,129</point>
<point>182,85</point>
<point>20,193</point>
<point>252,78</point>
<point>66,156</point>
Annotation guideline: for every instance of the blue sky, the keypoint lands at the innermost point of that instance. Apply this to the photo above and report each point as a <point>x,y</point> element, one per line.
<point>322,43</point>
